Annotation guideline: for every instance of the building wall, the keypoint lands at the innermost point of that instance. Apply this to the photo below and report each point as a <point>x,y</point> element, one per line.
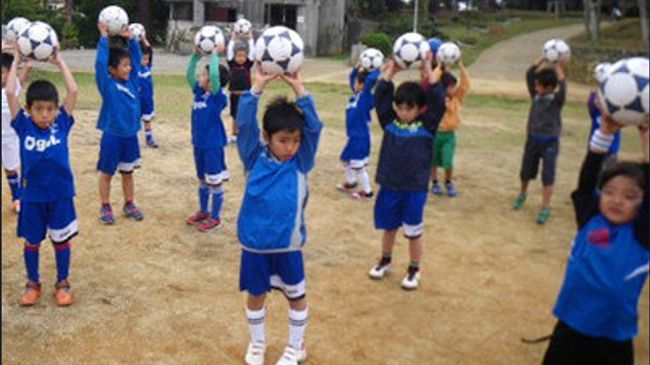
<point>331,29</point>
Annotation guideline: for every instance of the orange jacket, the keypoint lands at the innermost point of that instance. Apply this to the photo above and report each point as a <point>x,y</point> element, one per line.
<point>451,119</point>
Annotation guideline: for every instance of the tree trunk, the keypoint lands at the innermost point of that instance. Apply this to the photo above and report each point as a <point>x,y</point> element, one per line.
<point>434,7</point>
<point>591,18</point>
<point>68,10</point>
<point>423,11</point>
<point>643,15</point>
<point>144,11</point>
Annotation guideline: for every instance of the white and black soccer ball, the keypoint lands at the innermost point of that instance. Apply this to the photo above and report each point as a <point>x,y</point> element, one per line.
<point>116,19</point>
<point>138,30</point>
<point>410,49</point>
<point>280,49</point>
<point>448,53</point>
<point>623,94</point>
<point>38,41</point>
<point>555,48</point>
<point>15,27</point>
<point>371,59</point>
<point>601,70</point>
<point>242,26</point>
<point>208,38</point>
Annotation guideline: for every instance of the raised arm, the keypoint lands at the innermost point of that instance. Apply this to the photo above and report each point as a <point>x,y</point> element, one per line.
<point>215,81</point>
<point>384,94</point>
<point>70,84</point>
<point>251,47</point>
<point>530,80</point>
<point>366,98</point>
<point>592,107</point>
<point>230,49</point>
<point>12,99</point>
<point>136,55</point>
<point>24,73</point>
<point>435,98</point>
<point>102,77</point>
<point>464,84</point>
<point>249,145</point>
<point>191,69</point>
<point>148,46</point>
<point>353,77</point>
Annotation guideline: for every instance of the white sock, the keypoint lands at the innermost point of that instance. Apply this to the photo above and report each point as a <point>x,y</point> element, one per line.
<point>350,175</point>
<point>365,180</point>
<point>256,324</point>
<point>297,326</point>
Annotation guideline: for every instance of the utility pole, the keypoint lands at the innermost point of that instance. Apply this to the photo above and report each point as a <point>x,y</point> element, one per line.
<point>415,17</point>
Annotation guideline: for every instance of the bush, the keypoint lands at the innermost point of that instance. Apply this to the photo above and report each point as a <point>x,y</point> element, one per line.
<point>70,37</point>
<point>371,8</point>
<point>381,41</point>
<point>398,24</point>
<point>471,40</point>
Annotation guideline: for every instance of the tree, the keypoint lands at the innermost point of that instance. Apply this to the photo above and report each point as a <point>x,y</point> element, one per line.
<point>592,18</point>
<point>643,14</point>
<point>144,11</point>
<point>68,10</point>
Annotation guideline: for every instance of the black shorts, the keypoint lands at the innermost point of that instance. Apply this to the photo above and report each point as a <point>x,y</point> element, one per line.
<point>570,347</point>
<point>535,150</point>
<point>234,103</point>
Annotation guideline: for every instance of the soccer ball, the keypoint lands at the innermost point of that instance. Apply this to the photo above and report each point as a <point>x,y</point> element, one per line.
<point>138,30</point>
<point>434,44</point>
<point>371,59</point>
<point>116,19</point>
<point>38,41</point>
<point>554,49</point>
<point>209,37</point>
<point>15,26</point>
<point>279,49</point>
<point>242,26</point>
<point>448,53</point>
<point>600,71</point>
<point>410,49</point>
<point>623,94</point>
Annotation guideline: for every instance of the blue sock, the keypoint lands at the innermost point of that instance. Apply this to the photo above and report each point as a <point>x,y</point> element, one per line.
<point>30,253</point>
<point>217,201</point>
<point>204,196</point>
<point>149,135</point>
<point>14,184</point>
<point>62,254</point>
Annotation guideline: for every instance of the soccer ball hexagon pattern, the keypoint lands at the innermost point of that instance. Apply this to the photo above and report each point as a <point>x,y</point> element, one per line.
<point>371,59</point>
<point>623,94</point>
<point>208,38</point>
<point>138,30</point>
<point>15,27</point>
<point>410,49</point>
<point>38,41</point>
<point>600,71</point>
<point>448,53</point>
<point>116,19</point>
<point>280,49</point>
<point>242,26</point>
<point>555,48</point>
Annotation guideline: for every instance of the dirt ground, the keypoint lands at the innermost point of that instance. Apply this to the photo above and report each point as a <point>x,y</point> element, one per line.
<point>159,292</point>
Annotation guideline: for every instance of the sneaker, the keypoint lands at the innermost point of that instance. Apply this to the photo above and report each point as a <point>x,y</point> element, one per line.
<point>346,187</point>
<point>15,206</point>
<point>132,212</point>
<point>411,280</point>
<point>435,189</point>
<point>31,294</point>
<point>255,353</point>
<point>197,218</point>
<point>152,144</point>
<point>362,195</point>
<point>292,356</point>
<point>543,216</point>
<point>106,214</point>
<point>519,202</point>
<point>451,189</point>
<point>379,271</point>
<point>62,295</point>
<point>210,224</point>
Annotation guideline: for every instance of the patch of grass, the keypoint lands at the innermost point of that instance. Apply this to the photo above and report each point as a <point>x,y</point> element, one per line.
<point>623,35</point>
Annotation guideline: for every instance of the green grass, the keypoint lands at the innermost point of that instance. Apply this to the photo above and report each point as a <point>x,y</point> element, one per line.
<point>623,35</point>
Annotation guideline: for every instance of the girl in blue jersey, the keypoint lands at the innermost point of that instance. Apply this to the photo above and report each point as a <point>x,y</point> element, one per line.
<point>608,264</point>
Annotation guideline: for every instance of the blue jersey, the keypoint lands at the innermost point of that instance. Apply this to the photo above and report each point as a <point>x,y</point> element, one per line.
<point>271,218</point>
<point>145,83</point>
<point>207,126</point>
<point>596,117</point>
<point>357,113</point>
<point>45,158</point>
<point>120,112</point>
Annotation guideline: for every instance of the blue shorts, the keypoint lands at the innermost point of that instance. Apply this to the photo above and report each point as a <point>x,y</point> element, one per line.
<point>401,208</point>
<point>146,109</point>
<point>58,219</point>
<point>211,165</point>
<point>259,273</point>
<point>356,152</point>
<point>118,153</point>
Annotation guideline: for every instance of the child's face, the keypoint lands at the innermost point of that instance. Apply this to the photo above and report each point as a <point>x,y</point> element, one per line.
<point>204,79</point>
<point>358,87</point>
<point>123,69</point>
<point>620,199</point>
<point>43,113</point>
<point>145,59</point>
<point>407,113</point>
<point>284,144</point>
<point>5,72</point>
<point>241,57</point>
<point>543,90</point>
<point>451,90</point>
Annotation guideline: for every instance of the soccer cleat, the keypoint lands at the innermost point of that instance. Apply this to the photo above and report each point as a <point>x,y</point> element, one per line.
<point>197,218</point>
<point>435,189</point>
<point>209,224</point>
<point>31,294</point>
<point>292,356</point>
<point>543,215</point>
<point>151,143</point>
<point>346,187</point>
<point>451,189</point>
<point>132,212</point>
<point>411,280</point>
<point>379,271</point>
<point>255,353</point>
<point>519,202</point>
<point>62,295</point>
<point>362,195</point>
<point>15,206</point>
<point>106,214</point>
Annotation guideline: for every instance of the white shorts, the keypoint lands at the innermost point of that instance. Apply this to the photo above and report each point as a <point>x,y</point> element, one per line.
<point>10,153</point>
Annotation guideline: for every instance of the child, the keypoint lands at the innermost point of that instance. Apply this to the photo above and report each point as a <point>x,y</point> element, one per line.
<point>594,113</point>
<point>240,61</point>
<point>405,163</point>
<point>608,264</point>
<point>145,92</point>
<point>47,182</point>
<point>357,122</point>
<point>444,146</point>
<point>544,130</point>
<point>10,143</point>
<point>271,224</point>
<point>208,138</point>
<point>116,74</point>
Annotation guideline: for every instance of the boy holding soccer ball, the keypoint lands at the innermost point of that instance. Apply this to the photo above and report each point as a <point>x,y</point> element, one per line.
<point>145,92</point>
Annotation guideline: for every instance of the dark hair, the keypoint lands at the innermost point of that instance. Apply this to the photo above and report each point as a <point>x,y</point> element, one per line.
<point>547,77</point>
<point>116,55</point>
<point>410,93</point>
<point>448,79</point>
<point>224,74</point>
<point>629,169</point>
<point>148,51</point>
<point>361,76</point>
<point>41,90</point>
<point>280,115</point>
<point>240,46</point>
<point>7,60</point>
